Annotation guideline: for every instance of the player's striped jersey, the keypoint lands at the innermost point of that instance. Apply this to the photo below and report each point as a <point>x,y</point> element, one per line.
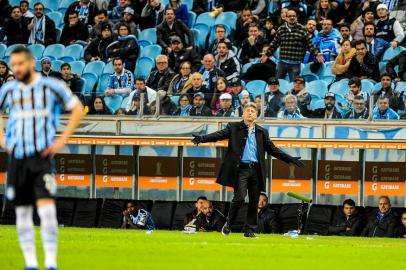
<point>34,112</point>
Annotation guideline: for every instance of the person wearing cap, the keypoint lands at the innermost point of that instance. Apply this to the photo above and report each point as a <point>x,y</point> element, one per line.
<point>388,29</point>
<point>252,46</point>
<point>300,92</point>
<point>376,46</point>
<point>210,73</point>
<point>161,76</point>
<point>117,13</point>
<point>199,108</point>
<point>220,33</point>
<point>227,61</point>
<point>399,61</point>
<point>329,111</point>
<point>363,65</point>
<point>171,26</point>
<point>273,99</point>
<point>382,110</point>
<point>179,54</point>
<point>236,88</point>
<point>290,109</point>
<point>102,19</point>
<point>97,48</point>
<point>46,69</point>
<point>86,9</point>
<point>221,88</point>
<point>368,15</point>
<point>128,18</point>
<point>263,70</point>
<point>141,89</point>
<point>245,98</point>
<point>226,107</point>
<point>121,81</point>
<point>74,31</point>
<point>16,28</point>
<point>395,98</point>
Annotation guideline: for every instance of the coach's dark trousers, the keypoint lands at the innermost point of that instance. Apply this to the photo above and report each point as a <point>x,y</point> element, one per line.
<point>247,181</point>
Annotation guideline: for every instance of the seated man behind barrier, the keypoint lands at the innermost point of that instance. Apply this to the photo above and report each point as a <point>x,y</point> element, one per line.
<point>209,219</point>
<point>384,222</point>
<point>402,229</point>
<point>346,222</point>
<point>358,110</point>
<point>382,111</point>
<point>267,221</point>
<point>135,218</point>
<point>121,81</point>
<point>192,215</point>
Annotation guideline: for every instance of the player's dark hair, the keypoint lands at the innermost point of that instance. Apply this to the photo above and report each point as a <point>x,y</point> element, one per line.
<point>22,50</point>
<point>350,202</point>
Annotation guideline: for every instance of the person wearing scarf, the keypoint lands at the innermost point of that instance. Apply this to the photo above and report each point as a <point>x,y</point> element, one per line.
<point>291,110</point>
<point>42,27</point>
<point>183,106</point>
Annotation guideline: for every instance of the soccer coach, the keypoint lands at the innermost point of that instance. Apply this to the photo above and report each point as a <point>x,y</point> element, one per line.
<point>244,166</point>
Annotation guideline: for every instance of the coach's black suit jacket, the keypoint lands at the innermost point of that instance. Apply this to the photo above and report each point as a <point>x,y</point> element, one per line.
<point>237,134</point>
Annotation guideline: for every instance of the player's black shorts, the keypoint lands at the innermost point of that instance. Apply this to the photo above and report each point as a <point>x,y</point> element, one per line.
<point>30,179</point>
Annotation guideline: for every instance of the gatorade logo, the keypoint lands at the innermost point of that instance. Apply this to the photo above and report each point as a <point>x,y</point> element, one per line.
<point>61,177</point>
<point>327,185</point>
<point>374,186</point>
<point>105,179</point>
<point>191,181</point>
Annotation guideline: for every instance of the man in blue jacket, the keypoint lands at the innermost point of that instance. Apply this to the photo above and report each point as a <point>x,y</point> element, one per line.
<point>382,110</point>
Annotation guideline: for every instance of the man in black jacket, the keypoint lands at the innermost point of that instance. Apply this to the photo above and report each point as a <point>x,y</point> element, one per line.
<point>199,108</point>
<point>192,215</point>
<point>252,46</point>
<point>42,28</point>
<point>363,65</point>
<point>346,222</point>
<point>273,98</point>
<point>97,48</point>
<point>227,61</point>
<point>395,98</point>
<point>209,219</point>
<point>384,222</point>
<point>16,28</point>
<point>244,166</point>
<point>86,10</point>
<point>267,221</point>
<point>161,77</point>
<point>398,60</point>
<point>329,112</point>
<point>179,55</point>
<point>74,31</point>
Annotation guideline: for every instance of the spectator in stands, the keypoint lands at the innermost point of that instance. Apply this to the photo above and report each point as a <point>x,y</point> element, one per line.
<point>42,27</point>
<point>243,22</point>
<point>181,11</point>
<point>86,10</point>
<point>209,219</point>
<point>128,18</point>
<point>388,29</point>
<point>172,26</point>
<point>134,218</point>
<point>347,11</point>
<point>181,82</point>
<point>343,60</point>
<point>326,41</point>
<point>141,89</point>
<point>269,30</point>
<point>198,209</point>
<point>201,6</point>
<point>383,223</point>
<point>162,75</point>
<point>97,48</point>
<point>199,108</point>
<point>273,98</point>
<point>236,89</point>
<point>197,86</point>
<point>290,109</point>
<point>311,28</point>
<point>329,112</point>
<point>135,106</point>
<point>267,220</point>
<point>120,112</point>
<point>376,46</point>
<point>46,69</point>
<point>226,107</point>
<point>117,13</point>
<point>121,81</point>
<point>258,102</point>
<point>5,10</point>
<point>252,46</point>
<point>220,89</point>
<point>167,106</point>
<point>25,9</point>
<point>400,61</point>
<point>5,73</point>
<point>245,98</point>
<point>347,222</point>
<point>263,70</point>
<point>300,92</point>
<point>358,109</point>
<point>292,40</point>
<point>72,81</point>
<point>152,14</point>
<point>232,5</point>
<point>395,98</point>
<point>345,32</point>
<point>354,85</point>
<point>259,8</point>
<point>382,111</point>
<point>357,27</point>
<point>210,73</point>
<point>184,106</point>
<point>402,230</point>
<point>221,35</point>
<point>16,28</point>
<point>179,54</point>
<point>227,61</point>
<point>99,107</point>
<point>126,47</point>
<point>363,65</point>
<point>325,10</point>
<point>74,31</point>
<point>102,19</point>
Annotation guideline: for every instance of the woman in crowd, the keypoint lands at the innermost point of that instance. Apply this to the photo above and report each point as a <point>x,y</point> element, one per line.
<point>325,10</point>
<point>5,73</point>
<point>343,60</point>
<point>99,107</point>
<point>181,82</point>
<point>220,88</point>
<point>184,105</point>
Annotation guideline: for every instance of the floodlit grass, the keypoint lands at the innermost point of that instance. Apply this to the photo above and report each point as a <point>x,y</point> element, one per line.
<point>117,249</point>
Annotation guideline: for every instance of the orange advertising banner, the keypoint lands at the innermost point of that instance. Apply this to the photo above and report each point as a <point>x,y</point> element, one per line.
<point>116,181</point>
<point>287,178</point>
<point>3,161</point>
<point>200,173</point>
<point>158,173</point>
<point>337,187</point>
<point>286,185</point>
<point>386,188</point>
<point>78,180</point>
<point>190,183</point>
<point>2,178</point>
<point>157,182</point>
<point>338,177</point>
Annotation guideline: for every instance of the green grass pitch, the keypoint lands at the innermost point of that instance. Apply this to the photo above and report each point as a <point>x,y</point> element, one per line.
<point>117,249</point>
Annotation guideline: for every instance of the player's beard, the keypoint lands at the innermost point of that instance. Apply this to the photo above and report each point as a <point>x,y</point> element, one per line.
<point>26,78</point>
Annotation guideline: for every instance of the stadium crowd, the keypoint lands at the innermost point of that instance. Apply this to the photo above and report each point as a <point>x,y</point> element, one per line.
<point>294,58</point>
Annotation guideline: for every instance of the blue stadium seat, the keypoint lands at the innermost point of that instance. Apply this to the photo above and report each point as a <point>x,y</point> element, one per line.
<point>124,102</point>
<point>196,34</point>
<point>57,17</point>
<point>204,30</point>
<point>67,59</point>
<point>65,3</point>
<point>308,74</point>
<point>284,85</point>
<point>74,50</point>
<point>391,52</point>
<point>246,66</point>
<point>50,4</point>
<point>77,67</point>
<point>143,67</point>
<point>327,74</point>
<point>175,99</point>
<point>317,88</point>
<point>11,48</point>
<point>56,65</point>
<point>206,19</point>
<point>188,3</point>
<point>367,86</point>
<point>54,51</point>
<point>151,51</point>
<point>148,34</point>
<point>191,19</point>
<point>3,49</point>
<point>37,50</point>
<point>108,68</point>
<point>38,65</point>
<point>401,87</point>
<point>316,104</point>
<point>382,67</point>
<point>340,87</point>
<point>113,102</point>
<point>256,87</point>
<point>58,34</point>
<point>228,18</point>
<point>91,81</point>
<point>144,43</point>
<point>102,84</point>
<point>82,83</point>
<point>95,67</point>
<point>62,10</point>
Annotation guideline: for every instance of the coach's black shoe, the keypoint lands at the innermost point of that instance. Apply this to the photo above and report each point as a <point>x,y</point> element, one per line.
<point>226,229</point>
<point>249,234</point>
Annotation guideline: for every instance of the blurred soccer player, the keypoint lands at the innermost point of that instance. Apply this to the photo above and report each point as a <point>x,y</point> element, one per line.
<point>34,103</point>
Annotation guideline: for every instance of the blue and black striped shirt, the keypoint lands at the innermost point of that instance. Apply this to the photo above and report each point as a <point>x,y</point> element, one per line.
<point>34,112</point>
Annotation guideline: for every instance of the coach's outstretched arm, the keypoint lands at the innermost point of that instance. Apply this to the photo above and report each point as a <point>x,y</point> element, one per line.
<point>74,120</point>
<point>213,137</point>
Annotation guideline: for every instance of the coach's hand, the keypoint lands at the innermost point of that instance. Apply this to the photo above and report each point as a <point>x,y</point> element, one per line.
<point>197,139</point>
<point>55,148</point>
<point>297,162</point>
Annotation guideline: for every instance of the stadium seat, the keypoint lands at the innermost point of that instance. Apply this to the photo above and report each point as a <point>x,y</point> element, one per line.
<point>151,51</point>
<point>228,18</point>
<point>102,84</point>
<point>67,59</point>
<point>367,86</point>
<point>391,52</point>
<point>65,3</point>
<point>91,81</point>
<point>113,102</point>
<point>144,43</point>
<point>3,49</point>
<point>181,210</point>
<point>256,87</point>
<point>143,67</point>
<point>340,87</point>
<point>319,219</point>
<point>38,65</point>
<point>246,66</point>
<point>191,19</point>
<point>288,216</point>
<point>54,51</point>
<point>124,103</point>
<point>74,50</point>
<point>308,74</point>
<point>239,221</point>
<point>317,104</point>
<point>205,18</point>
<point>401,87</point>
<point>108,68</point>
<point>50,4</point>
<point>148,34</point>
<point>65,209</point>
<point>86,212</point>
<point>56,65</point>
<point>111,213</point>
<point>162,213</point>
<point>95,68</point>
<point>58,34</point>
<point>56,16</point>
<point>37,50</point>
<point>284,86</point>
<point>12,48</point>
<point>9,216</point>
<point>77,67</point>
<point>317,88</point>
<point>188,3</point>
<point>204,30</point>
